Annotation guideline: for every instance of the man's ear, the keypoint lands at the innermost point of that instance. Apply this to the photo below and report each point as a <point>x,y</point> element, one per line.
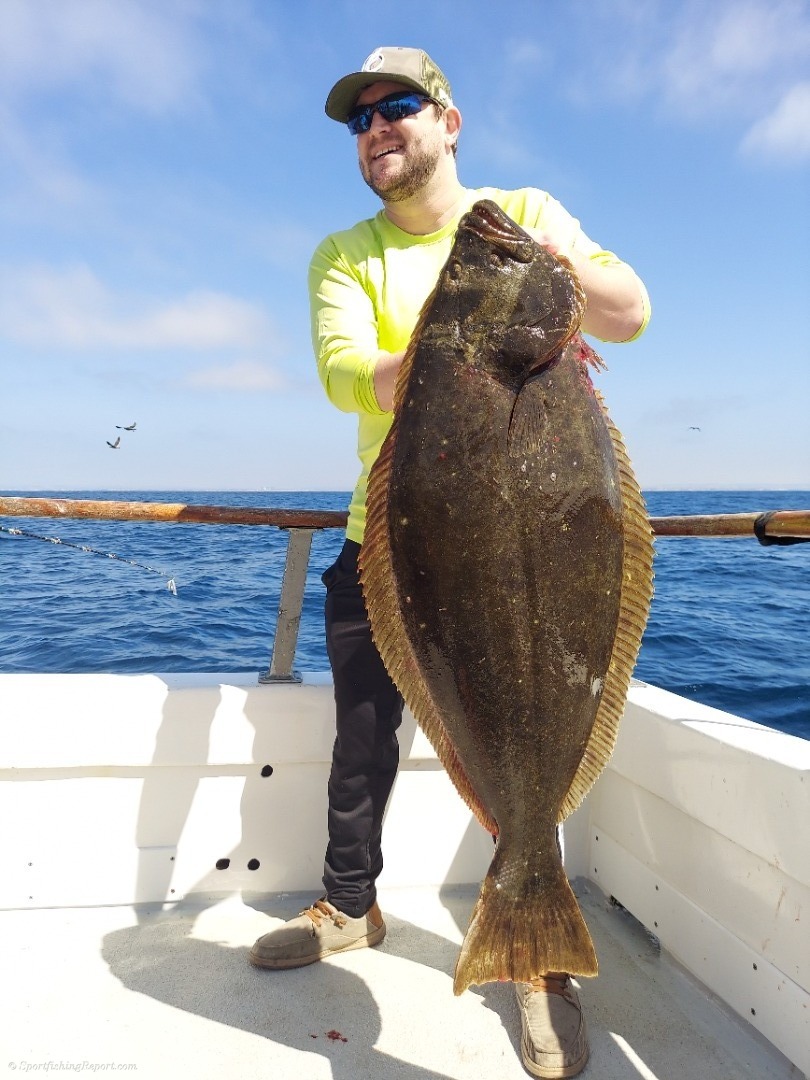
<point>452,123</point>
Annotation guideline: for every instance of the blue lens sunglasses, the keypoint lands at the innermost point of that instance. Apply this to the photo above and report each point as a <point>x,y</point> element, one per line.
<point>394,107</point>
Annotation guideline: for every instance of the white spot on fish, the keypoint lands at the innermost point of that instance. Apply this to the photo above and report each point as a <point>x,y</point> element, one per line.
<point>596,686</point>
<point>403,521</point>
<point>554,475</point>
<point>575,671</point>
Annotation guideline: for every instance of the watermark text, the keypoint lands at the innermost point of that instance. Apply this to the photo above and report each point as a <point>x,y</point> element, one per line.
<point>24,1066</point>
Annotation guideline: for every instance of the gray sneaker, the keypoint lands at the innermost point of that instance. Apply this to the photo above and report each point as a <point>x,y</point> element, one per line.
<point>555,1040</point>
<point>319,931</point>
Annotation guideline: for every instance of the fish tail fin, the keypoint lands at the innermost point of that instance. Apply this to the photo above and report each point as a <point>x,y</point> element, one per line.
<point>516,937</point>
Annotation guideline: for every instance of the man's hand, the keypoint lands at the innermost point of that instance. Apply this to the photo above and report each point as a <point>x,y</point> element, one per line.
<point>614,309</point>
<point>545,239</point>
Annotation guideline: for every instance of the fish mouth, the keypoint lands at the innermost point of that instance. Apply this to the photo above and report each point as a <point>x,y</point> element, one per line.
<point>488,221</point>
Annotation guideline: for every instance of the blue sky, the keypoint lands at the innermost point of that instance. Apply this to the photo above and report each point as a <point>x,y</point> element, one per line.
<point>166,170</point>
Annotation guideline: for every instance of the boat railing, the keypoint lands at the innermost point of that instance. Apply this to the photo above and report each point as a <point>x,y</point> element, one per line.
<point>771,527</point>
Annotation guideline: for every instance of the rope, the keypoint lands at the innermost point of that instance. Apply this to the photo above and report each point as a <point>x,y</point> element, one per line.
<point>170,584</point>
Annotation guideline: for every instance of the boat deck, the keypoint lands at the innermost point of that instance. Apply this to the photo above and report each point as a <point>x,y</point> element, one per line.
<point>168,992</point>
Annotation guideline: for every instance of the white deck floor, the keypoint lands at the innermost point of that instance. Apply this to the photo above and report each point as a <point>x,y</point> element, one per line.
<point>172,994</point>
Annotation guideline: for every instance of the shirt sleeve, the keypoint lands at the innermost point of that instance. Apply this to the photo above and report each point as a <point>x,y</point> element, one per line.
<point>552,215</point>
<point>344,330</point>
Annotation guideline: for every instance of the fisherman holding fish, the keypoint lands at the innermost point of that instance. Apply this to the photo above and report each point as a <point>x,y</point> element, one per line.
<point>368,286</point>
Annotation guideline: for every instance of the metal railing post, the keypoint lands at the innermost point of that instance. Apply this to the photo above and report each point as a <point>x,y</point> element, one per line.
<point>290,606</point>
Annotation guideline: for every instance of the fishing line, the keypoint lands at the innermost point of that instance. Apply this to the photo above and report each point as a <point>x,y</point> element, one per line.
<point>170,584</point>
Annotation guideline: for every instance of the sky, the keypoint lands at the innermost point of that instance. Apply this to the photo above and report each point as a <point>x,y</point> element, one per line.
<point>167,169</point>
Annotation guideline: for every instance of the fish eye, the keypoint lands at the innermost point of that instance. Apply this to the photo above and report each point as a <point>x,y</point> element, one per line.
<point>454,269</point>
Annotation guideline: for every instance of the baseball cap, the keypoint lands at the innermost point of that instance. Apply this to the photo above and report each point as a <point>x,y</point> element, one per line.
<point>389,63</point>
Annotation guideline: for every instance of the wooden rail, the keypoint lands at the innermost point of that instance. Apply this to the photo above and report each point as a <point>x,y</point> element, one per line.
<point>110,510</point>
<point>779,523</point>
<point>787,524</point>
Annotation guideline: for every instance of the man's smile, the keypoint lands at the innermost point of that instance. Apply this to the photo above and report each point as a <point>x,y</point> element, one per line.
<point>396,148</point>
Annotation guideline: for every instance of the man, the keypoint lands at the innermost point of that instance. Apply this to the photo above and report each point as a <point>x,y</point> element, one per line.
<point>367,286</point>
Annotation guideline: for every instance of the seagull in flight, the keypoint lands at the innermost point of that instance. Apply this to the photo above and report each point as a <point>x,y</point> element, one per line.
<point>114,445</point>
<point>693,428</point>
<point>122,427</point>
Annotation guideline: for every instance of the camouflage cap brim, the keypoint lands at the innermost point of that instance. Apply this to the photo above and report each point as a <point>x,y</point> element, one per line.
<point>410,67</point>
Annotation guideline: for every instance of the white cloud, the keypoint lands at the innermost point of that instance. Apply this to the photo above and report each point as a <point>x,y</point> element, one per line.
<point>74,309</point>
<point>244,375</point>
<point>524,55</point>
<point>785,133</point>
<point>747,60</point>
<point>743,62</point>
<point>144,54</point>
<point>41,164</point>
<point>735,53</point>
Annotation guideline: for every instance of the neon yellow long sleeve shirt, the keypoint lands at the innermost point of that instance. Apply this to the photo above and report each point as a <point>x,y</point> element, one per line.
<point>367,286</point>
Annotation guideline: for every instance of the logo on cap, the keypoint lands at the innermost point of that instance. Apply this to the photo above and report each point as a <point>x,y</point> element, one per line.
<point>373,62</point>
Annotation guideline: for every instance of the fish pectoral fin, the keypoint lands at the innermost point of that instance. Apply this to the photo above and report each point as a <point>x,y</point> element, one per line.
<point>528,420</point>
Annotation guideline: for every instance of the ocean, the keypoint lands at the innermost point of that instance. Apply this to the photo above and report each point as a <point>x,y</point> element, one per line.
<point>729,625</point>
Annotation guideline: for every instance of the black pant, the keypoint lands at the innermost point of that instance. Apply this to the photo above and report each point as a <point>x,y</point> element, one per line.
<point>365,758</point>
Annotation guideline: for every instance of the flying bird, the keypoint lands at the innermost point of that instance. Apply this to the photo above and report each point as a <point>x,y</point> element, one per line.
<point>122,427</point>
<point>114,445</point>
<point>693,428</point>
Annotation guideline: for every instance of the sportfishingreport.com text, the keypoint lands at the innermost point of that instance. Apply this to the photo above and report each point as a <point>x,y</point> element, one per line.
<point>70,1066</point>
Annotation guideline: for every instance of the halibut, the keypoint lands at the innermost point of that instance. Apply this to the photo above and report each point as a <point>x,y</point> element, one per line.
<point>507,571</point>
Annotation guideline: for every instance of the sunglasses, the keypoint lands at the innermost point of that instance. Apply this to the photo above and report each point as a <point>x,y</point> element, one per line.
<point>391,108</point>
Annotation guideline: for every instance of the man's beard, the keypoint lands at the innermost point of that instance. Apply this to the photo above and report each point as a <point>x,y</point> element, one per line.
<point>418,168</point>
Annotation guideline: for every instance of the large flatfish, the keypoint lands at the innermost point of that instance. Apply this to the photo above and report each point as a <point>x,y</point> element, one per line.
<point>507,569</point>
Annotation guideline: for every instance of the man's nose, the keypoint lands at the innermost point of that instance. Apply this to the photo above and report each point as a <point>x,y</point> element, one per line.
<point>378,122</point>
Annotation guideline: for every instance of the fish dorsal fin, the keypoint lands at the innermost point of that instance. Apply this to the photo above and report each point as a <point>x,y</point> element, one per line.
<point>383,601</point>
<point>634,604</point>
